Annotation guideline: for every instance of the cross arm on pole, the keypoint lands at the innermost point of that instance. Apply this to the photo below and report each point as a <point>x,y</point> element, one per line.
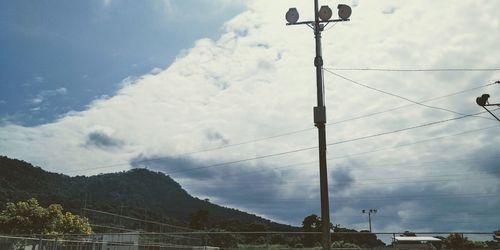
<point>312,22</point>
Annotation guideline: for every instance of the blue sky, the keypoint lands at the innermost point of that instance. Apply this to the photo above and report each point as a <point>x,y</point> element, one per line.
<point>59,56</point>
<point>207,94</point>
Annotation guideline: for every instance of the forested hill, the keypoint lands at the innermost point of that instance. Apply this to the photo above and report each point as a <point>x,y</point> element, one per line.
<point>138,193</point>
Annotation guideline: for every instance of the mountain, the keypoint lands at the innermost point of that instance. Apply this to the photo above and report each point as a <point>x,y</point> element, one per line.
<point>138,193</point>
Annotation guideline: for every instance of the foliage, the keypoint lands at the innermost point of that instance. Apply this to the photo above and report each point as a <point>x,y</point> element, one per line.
<point>28,217</point>
<point>134,192</point>
<point>342,244</point>
<point>223,239</point>
<point>362,238</point>
<point>258,238</point>
<point>199,219</point>
<point>128,193</point>
<point>311,223</point>
<point>458,241</point>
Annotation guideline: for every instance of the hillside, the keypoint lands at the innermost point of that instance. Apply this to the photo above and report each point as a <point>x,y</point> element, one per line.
<point>137,193</point>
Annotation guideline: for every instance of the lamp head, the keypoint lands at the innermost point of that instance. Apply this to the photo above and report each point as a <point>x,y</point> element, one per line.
<point>325,13</point>
<point>292,15</point>
<point>344,11</point>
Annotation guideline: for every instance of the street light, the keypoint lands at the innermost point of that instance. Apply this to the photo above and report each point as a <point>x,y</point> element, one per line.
<point>369,212</point>
<point>344,11</point>
<point>292,15</point>
<point>325,13</point>
<point>322,16</point>
<point>483,102</point>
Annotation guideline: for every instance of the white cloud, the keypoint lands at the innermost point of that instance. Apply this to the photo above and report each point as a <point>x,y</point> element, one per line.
<point>39,79</point>
<point>44,94</point>
<point>155,71</point>
<point>258,80</point>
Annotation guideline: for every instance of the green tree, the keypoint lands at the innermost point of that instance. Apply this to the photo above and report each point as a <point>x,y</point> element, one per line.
<point>458,241</point>
<point>363,238</point>
<point>312,224</point>
<point>28,217</point>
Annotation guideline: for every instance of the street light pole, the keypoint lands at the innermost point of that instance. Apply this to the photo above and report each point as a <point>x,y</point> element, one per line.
<point>369,212</point>
<point>321,19</point>
<point>319,122</point>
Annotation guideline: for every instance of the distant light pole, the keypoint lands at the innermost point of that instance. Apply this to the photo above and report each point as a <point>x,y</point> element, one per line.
<point>321,19</point>
<point>483,102</point>
<point>369,212</point>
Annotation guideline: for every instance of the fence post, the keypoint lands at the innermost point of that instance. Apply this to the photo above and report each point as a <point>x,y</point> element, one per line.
<point>394,241</point>
<point>40,243</point>
<point>93,242</point>
<point>463,241</point>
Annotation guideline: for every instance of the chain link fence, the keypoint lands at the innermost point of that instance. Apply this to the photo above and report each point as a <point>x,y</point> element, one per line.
<point>251,241</point>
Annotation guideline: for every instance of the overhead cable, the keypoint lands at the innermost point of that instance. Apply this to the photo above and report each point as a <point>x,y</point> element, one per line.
<point>398,96</point>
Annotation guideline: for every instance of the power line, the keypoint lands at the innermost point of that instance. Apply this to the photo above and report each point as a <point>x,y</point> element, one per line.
<point>394,166</point>
<point>267,202</point>
<point>409,105</point>
<point>414,69</point>
<point>136,219</point>
<point>376,150</point>
<point>381,149</point>
<point>397,96</point>
<point>248,159</point>
<point>387,148</point>
<point>403,129</point>
<point>300,149</point>
<point>370,181</point>
<point>218,164</point>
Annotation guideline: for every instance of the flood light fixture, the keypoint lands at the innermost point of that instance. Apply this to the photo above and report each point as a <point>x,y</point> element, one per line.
<point>344,11</point>
<point>325,13</point>
<point>292,15</point>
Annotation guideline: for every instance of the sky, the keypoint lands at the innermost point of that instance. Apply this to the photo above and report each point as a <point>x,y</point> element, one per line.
<point>219,95</point>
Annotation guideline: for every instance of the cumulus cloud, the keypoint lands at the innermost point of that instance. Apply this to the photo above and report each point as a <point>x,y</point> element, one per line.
<point>203,120</point>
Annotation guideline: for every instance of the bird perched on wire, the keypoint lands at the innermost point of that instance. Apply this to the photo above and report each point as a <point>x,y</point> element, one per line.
<point>483,100</point>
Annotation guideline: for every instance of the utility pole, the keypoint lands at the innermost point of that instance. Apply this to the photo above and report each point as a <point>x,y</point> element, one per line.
<point>321,19</point>
<point>369,212</point>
